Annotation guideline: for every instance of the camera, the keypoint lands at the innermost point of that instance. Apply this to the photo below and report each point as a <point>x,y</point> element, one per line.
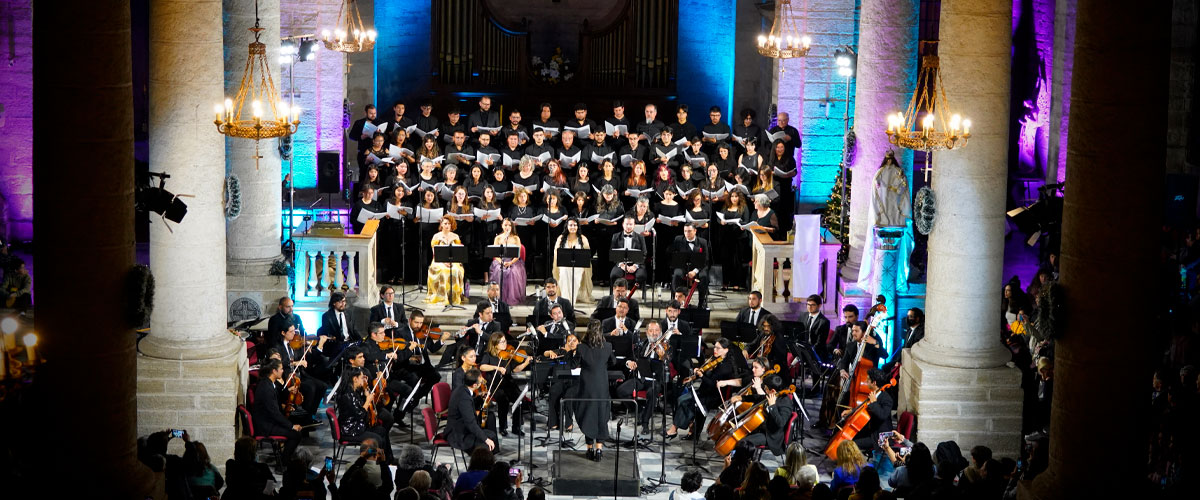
<point>176,433</point>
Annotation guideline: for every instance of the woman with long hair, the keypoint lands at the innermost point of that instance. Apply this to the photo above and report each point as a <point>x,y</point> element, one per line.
<point>445,281</point>
<point>736,254</point>
<point>460,206</point>
<point>607,177</point>
<point>750,161</point>
<point>697,209</point>
<point>476,181</point>
<point>783,167</point>
<point>353,405</point>
<point>593,356</point>
<point>202,477</point>
<point>577,281</point>
<point>555,215</point>
<point>425,230</point>
<point>498,370</point>
<point>510,272</point>
<point>664,180</point>
<point>499,485</point>
<point>609,212</point>
<point>392,236</point>
<point>636,181</point>
<point>583,181</point>
<point>555,175</point>
<point>429,149</point>
<point>850,463</point>
<point>467,358</point>
<point>795,459</point>
<point>400,140</point>
<point>754,486</point>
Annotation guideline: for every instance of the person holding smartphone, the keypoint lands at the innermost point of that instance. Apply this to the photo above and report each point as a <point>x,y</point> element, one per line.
<point>503,482</point>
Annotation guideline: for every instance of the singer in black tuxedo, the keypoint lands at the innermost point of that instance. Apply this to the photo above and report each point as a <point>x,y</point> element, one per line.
<point>628,239</point>
<point>682,278</point>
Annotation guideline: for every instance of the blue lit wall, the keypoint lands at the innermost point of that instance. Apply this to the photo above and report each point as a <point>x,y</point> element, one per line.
<point>402,54</point>
<point>705,62</point>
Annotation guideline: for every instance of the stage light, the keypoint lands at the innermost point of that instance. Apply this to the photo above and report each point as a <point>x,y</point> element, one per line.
<point>307,50</point>
<point>160,201</point>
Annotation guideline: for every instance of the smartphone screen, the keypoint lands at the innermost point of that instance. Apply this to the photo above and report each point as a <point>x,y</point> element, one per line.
<point>328,463</point>
<point>513,471</point>
<point>176,433</point>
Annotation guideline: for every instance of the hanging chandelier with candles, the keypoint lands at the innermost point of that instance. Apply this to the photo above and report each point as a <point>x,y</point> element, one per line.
<point>269,114</point>
<point>784,41</point>
<point>940,129</point>
<point>350,35</point>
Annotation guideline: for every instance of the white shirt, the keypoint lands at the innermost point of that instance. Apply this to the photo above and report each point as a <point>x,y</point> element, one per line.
<point>754,316</point>
<point>345,328</point>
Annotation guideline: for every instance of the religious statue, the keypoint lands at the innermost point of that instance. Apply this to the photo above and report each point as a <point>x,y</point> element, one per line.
<point>889,213</point>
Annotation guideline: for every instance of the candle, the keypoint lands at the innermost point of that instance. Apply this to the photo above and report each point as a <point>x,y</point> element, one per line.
<point>217,110</point>
<point>30,342</point>
<point>296,114</point>
<point>966,127</point>
<point>10,341</point>
<point>3,365</point>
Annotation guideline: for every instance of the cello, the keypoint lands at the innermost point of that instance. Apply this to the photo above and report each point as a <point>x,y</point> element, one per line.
<point>745,423</point>
<point>853,423</point>
<point>856,385</point>
<point>717,426</point>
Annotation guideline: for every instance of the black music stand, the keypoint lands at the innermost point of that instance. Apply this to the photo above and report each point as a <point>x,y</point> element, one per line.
<point>738,331</point>
<point>574,258</point>
<point>451,254</point>
<point>503,252</point>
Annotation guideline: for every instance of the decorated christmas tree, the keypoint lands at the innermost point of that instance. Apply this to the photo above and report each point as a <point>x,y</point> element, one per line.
<point>831,218</point>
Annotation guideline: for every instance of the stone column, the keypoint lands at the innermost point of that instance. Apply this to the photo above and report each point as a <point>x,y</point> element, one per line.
<point>1060,105</point>
<point>955,379</point>
<point>887,73</point>
<point>1118,119</point>
<point>84,332</point>
<point>252,236</point>
<point>191,369</point>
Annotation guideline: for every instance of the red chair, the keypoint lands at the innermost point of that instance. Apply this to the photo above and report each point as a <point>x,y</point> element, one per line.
<point>339,444</point>
<point>787,437</point>
<point>437,439</point>
<point>907,424</point>
<point>276,441</point>
<point>441,398</point>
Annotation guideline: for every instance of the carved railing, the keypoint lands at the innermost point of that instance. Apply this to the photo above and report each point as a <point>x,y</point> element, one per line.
<point>329,263</point>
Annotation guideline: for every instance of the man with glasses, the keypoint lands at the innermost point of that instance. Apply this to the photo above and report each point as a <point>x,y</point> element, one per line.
<point>816,325</point>
<point>387,312</point>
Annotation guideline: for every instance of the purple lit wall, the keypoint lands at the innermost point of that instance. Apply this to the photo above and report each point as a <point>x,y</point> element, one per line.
<point>16,121</point>
<point>1033,68</point>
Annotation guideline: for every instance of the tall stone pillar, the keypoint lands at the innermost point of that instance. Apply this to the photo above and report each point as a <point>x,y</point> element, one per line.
<point>84,332</point>
<point>191,368</point>
<point>1060,105</point>
<point>252,234</point>
<point>955,379</point>
<point>887,73</point>
<point>1118,119</point>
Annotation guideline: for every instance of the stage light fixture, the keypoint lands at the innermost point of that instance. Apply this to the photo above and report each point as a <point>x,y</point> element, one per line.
<point>157,199</point>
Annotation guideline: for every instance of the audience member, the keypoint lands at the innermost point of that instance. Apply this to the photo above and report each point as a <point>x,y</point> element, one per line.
<point>689,487</point>
<point>202,478</point>
<point>301,482</point>
<point>850,462</point>
<point>478,467</point>
<point>369,478</point>
<point>754,486</point>
<point>245,477</point>
<point>867,485</point>
<point>501,484</point>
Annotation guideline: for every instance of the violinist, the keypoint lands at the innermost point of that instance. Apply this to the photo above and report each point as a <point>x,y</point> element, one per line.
<point>462,426</point>
<point>779,410</point>
<point>498,363</point>
<point>563,381</point>
<point>620,324</point>
<point>354,406</point>
<point>303,362</point>
<point>415,365</point>
<point>724,368</point>
<point>879,407</point>
<point>770,342</point>
<point>268,412</point>
<point>466,361</point>
<point>645,370</point>
<point>382,357</point>
<point>752,383</point>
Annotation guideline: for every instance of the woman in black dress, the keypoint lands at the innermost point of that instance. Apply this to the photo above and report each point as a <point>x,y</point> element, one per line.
<point>735,250</point>
<point>466,360</point>
<point>353,407</point>
<point>765,217</point>
<point>498,370</point>
<point>593,356</point>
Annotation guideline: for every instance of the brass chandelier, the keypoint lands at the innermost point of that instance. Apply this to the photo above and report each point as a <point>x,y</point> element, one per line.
<point>784,41</point>
<point>930,106</point>
<point>269,114</point>
<point>350,35</point>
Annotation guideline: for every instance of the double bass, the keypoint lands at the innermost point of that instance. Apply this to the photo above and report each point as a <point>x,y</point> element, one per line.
<point>853,423</point>
<point>857,384</point>
<point>745,423</point>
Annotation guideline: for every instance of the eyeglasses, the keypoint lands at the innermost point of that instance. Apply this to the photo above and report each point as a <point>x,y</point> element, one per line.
<point>813,304</point>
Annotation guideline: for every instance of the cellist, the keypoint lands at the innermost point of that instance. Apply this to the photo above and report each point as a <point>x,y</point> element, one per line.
<point>778,410</point>
<point>879,407</point>
<point>725,370</point>
<point>354,404</point>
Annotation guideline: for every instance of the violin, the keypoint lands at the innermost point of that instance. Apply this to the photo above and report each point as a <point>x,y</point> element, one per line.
<point>393,344</point>
<point>764,347</point>
<point>428,332</point>
<point>708,365</point>
<point>513,354</point>
<point>300,341</point>
<point>745,423</point>
<point>294,398</point>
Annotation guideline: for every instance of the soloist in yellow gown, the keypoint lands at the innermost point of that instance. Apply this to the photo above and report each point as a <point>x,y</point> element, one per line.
<point>445,281</point>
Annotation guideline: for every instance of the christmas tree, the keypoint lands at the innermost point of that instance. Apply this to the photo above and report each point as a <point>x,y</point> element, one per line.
<point>831,218</point>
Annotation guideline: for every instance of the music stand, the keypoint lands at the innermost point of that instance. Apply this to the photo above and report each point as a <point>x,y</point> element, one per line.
<point>738,332</point>
<point>574,258</point>
<point>619,255</point>
<point>450,254</point>
<point>503,252</point>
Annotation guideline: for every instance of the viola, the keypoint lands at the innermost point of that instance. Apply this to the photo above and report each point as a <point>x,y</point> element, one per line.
<point>294,398</point>
<point>393,344</point>
<point>513,354</point>
<point>745,423</point>
<point>853,423</point>
<point>428,332</point>
<point>708,365</point>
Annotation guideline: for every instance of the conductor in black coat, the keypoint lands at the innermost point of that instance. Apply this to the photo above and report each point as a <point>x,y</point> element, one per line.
<point>879,407</point>
<point>267,410</point>
<point>462,425</point>
<point>336,325</point>
<point>779,410</point>
<point>694,269</point>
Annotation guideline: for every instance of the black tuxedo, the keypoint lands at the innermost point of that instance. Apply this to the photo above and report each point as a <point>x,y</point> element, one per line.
<point>268,415</point>
<point>414,373</point>
<point>679,276</point>
<point>774,430</point>
<point>681,357</point>
<point>636,242</point>
<point>912,335</point>
<point>744,316</point>
<point>644,377</point>
<point>610,324</point>
<point>500,313</point>
<point>378,312</point>
<point>541,309</point>
<point>881,421</point>
<point>608,302</point>
<point>332,329</point>
<point>816,331</point>
<point>462,426</point>
<point>275,328</point>
<point>560,330</point>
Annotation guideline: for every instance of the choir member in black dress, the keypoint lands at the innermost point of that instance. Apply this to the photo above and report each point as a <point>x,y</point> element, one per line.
<point>607,176</point>
<point>392,236</point>
<point>765,217</point>
<point>609,212</point>
<point>463,431</point>
<point>594,356</point>
<point>643,372</point>
<point>750,162</point>
<point>483,117</point>
<point>353,407</point>
<point>727,372</point>
<point>527,177</point>
<point>267,411</point>
<point>460,205</point>
<point>425,231</point>
<point>664,180</point>
<point>666,230</point>
<point>356,130</point>
<point>714,127</point>
<point>649,128</point>
<point>503,187</point>
<point>725,161</point>
<point>746,130</point>
<point>555,214</point>
<point>454,122</point>
<point>429,151</point>
<point>475,182</point>
<point>376,146</point>
<point>546,123</point>
<point>635,184</point>
<point>783,168</point>
<point>696,210</point>
<point>681,127</point>
<point>735,253</point>
<point>489,224</point>
<point>499,368</point>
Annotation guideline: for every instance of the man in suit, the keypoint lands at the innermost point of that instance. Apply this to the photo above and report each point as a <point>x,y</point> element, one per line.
<point>336,325</point>
<point>356,130</point>
<point>620,324</point>
<point>677,331</point>
<point>387,312</point>
<point>836,343</point>
<point>415,365</point>
<point>541,309</point>
<point>627,239</point>
<point>816,325</point>
<point>871,346</point>
<point>306,364</point>
<point>693,269</point>
<point>913,332</point>
<point>879,407</point>
<point>773,432</point>
<point>558,327</point>
<point>643,371</point>
<point>500,310</point>
<point>267,412</point>
<point>481,327</point>
<point>462,426</point>
<point>483,117</point>
<point>620,290</point>
<point>754,312</point>
<point>278,323</point>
